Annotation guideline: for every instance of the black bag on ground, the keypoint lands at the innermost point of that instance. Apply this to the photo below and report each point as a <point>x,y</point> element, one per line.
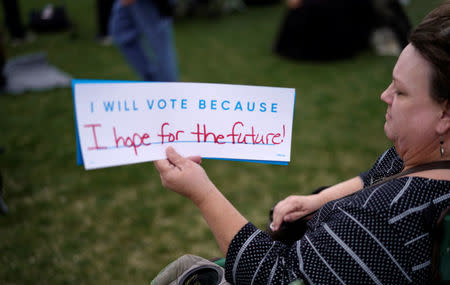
<point>50,19</point>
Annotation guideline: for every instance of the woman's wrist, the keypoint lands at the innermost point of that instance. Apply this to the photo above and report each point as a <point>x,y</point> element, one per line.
<point>322,198</point>
<point>204,195</point>
<point>339,190</point>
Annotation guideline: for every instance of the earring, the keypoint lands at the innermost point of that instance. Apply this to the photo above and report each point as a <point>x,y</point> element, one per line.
<point>441,146</point>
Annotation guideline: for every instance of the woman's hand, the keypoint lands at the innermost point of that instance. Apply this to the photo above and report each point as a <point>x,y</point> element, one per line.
<point>293,208</point>
<point>186,177</point>
<point>183,175</point>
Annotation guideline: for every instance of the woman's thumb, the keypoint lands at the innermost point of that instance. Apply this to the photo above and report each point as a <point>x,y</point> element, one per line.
<point>173,156</point>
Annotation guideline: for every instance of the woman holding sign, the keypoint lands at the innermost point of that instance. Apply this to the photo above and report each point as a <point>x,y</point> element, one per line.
<point>364,231</point>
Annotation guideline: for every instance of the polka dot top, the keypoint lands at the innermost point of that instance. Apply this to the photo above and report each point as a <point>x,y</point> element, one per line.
<point>379,235</point>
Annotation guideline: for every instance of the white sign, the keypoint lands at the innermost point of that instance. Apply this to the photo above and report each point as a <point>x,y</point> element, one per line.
<point>130,122</point>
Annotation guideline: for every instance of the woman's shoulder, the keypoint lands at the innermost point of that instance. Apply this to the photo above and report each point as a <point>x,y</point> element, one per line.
<point>387,164</point>
<point>405,195</point>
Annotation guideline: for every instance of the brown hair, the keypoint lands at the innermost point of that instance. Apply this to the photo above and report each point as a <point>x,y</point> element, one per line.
<point>432,39</point>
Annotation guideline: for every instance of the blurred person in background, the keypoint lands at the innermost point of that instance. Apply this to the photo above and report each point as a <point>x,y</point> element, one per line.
<point>330,30</point>
<point>143,30</point>
<point>13,21</point>
<point>391,27</point>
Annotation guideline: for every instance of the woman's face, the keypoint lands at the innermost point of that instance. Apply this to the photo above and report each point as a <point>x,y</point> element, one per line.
<point>412,115</point>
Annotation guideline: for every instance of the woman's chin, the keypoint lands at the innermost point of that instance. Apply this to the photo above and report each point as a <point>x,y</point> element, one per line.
<point>387,131</point>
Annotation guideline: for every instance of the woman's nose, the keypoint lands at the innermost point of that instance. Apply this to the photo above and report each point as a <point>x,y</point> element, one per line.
<point>386,96</point>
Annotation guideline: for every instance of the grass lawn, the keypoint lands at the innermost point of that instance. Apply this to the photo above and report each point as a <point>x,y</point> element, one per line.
<point>118,225</point>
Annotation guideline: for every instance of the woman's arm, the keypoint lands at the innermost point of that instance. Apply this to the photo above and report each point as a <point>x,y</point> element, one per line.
<point>186,177</point>
<point>295,206</point>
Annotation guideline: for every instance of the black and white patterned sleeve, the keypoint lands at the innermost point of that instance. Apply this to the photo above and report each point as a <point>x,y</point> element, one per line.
<point>389,163</point>
<point>254,258</point>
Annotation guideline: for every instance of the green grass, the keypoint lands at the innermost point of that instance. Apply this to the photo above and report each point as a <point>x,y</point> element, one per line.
<point>118,225</point>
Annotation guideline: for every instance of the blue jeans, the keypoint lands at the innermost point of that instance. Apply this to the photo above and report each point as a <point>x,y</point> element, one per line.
<point>145,39</point>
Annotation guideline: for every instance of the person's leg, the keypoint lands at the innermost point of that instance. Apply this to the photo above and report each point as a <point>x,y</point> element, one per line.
<point>125,34</point>
<point>166,55</point>
<point>100,16</point>
<point>158,34</point>
<point>104,8</point>
<point>12,18</point>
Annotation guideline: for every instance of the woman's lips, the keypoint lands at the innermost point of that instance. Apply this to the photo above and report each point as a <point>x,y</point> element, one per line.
<point>388,115</point>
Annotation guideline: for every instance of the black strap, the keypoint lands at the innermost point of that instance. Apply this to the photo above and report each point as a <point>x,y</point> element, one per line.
<point>443,164</point>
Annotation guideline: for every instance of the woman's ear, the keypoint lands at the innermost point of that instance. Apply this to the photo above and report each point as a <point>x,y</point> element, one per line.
<point>444,118</point>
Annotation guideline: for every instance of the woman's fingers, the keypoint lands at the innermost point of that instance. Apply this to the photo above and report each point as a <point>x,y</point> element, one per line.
<point>197,159</point>
<point>294,216</point>
<point>280,210</point>
<point>171,169</point>
<point>174,158</point>
<point>288,210</point>
<point>162,165</point>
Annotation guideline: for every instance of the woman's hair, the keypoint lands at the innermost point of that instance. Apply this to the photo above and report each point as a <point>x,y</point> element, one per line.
<point>432,39</point>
